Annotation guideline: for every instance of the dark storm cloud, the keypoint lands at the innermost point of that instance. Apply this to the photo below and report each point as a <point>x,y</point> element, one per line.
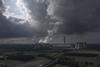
<point>1,6</point>
<point>75,16</point>
<point>69,17</point>
<point>9,29</point>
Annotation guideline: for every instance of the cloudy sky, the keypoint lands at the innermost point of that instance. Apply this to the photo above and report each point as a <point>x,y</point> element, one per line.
<point>77,19</point>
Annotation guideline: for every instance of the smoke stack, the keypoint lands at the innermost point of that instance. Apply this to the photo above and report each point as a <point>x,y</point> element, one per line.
<point>64,39</point>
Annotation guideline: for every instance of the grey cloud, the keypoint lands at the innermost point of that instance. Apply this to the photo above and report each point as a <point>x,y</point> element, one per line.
<point>11,29</point>
<point>76,16</point>
<point>1,7</point>
<point>38,11</point>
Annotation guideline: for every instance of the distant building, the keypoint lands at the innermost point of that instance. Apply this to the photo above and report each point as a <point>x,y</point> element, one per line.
<point>80,45</point>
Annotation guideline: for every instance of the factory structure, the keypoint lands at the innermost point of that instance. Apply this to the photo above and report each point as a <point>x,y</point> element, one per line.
<point>81,53</point>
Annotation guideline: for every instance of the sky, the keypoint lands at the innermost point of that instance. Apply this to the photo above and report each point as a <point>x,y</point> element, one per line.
<point>13,23</point>
<point>77,19</point>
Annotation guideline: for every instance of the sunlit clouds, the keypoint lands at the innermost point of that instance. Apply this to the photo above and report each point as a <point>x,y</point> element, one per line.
<point>11,9</point>
<point>17,9</point>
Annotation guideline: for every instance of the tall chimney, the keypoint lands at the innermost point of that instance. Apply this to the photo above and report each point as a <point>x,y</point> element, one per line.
<point>64,39</point>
